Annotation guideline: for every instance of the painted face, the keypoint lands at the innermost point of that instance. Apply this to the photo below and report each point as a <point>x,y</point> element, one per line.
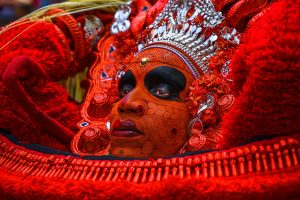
<point>150,119</point>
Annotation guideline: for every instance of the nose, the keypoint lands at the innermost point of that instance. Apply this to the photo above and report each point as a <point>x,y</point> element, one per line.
<point>130,104</point>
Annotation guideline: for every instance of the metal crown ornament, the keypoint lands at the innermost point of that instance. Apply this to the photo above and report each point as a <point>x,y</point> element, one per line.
<point>188,28</point>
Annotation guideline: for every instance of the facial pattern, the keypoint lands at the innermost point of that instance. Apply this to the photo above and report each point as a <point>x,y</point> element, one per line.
<point>150,119</point>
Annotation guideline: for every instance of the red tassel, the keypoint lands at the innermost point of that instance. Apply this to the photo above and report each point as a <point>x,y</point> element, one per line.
<point>188,168</point>
<point>159,169</point>
<point>105,165</point>
<point>124,171</point>
<point>181,173</point>
<point>225,163</point>
<point>249,159</point>
<point>167,169</point>
<point>174,168</point>
<point>145,172</point>
<point>138,172</point>
<point>95,177</point>
<point>241,160</point>
<point>204,166</point>
<point>110,173</point>
<point>152,171</point>
<point>63,171</point>
<point>232,162</point>
<point>295,159</point>
<point>278,154</point>
<point>196,162</point>
<point>119,171</point>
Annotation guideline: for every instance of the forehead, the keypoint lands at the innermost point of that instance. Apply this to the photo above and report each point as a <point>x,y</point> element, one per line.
<point>156,57</point>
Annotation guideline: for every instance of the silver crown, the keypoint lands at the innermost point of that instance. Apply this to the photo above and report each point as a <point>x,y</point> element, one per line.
<point>175,28</point>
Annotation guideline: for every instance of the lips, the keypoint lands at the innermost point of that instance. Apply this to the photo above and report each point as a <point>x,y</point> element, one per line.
<point>125,128</point>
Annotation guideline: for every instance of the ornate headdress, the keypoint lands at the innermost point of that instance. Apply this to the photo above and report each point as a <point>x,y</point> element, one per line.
<point>195,32</point>
<point>191,29</point>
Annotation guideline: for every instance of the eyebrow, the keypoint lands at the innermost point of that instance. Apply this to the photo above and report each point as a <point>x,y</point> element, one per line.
<point>165,74</point>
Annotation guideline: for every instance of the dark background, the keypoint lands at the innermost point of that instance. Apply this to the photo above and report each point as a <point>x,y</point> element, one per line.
<point>10,10</point>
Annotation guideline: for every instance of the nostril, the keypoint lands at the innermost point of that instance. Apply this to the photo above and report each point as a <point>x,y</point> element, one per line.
<point>131,110</point>
<point>120,110</point>
<point>140,110</point>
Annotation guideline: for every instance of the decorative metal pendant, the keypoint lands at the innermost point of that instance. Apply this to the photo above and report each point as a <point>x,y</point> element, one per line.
<point>121,23</point>
<point>93,26</point>
<point>195,126</point>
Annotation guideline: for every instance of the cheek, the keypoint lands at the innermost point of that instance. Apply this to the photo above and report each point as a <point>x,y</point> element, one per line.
<point>165,125</point>
<point>114,111</point>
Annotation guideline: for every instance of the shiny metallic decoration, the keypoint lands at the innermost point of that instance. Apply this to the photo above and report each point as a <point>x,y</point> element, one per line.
<point>225,69</point>
<point>84,124</point>
<point>231,35</point>
<point>195,126</point>
<point>176,27</point>
<point>120,73</point>
<point>107,125</point>
<point>121,23</point>
<point>144,61</point>
<point>93,26</point>
<point>207,104</point>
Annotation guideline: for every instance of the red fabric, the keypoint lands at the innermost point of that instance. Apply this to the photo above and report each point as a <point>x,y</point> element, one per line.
<point>266,71</point>
<point>262,186</point>
<point>13,84</point>
<point>50,53</point>
<point>241,13</point>
<point>48,49</point>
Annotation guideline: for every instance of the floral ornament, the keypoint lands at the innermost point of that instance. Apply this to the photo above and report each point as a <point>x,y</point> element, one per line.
<point>121,23</point>
<point>216,83</point>
<point>213,84</point>
<point>208,100</point>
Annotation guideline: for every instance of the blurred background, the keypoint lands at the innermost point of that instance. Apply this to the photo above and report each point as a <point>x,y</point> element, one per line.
<point>11,10</point>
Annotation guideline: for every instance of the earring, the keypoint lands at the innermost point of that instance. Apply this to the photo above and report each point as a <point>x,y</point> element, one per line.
<point>195,128</point>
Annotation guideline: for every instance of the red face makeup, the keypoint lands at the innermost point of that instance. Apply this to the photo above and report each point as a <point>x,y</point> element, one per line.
<point>151,119</point>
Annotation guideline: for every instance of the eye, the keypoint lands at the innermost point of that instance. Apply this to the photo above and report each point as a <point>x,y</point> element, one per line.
<point>125,90</point>
<point>162,90</point>
<point>126,84</point>
<point>165,82</point>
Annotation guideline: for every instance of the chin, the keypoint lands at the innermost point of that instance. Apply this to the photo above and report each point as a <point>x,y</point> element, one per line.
<point>137,147</point>
<point>137,152</point>
<point>130,146</point>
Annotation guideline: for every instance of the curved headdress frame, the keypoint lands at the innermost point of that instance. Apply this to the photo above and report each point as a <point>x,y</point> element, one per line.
<point>185,59</point>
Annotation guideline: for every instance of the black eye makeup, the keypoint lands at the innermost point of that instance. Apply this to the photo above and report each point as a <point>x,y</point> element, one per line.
<point>126,84</point>
<point>165,82</point>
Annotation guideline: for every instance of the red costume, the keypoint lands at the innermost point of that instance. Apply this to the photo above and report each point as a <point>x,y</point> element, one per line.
<point>221,126</point>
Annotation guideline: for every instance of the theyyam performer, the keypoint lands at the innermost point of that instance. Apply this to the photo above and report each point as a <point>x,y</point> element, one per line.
<point>151,99</point>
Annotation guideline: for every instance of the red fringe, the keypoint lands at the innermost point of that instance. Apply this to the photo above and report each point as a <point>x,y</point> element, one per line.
<point>268,186</point>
